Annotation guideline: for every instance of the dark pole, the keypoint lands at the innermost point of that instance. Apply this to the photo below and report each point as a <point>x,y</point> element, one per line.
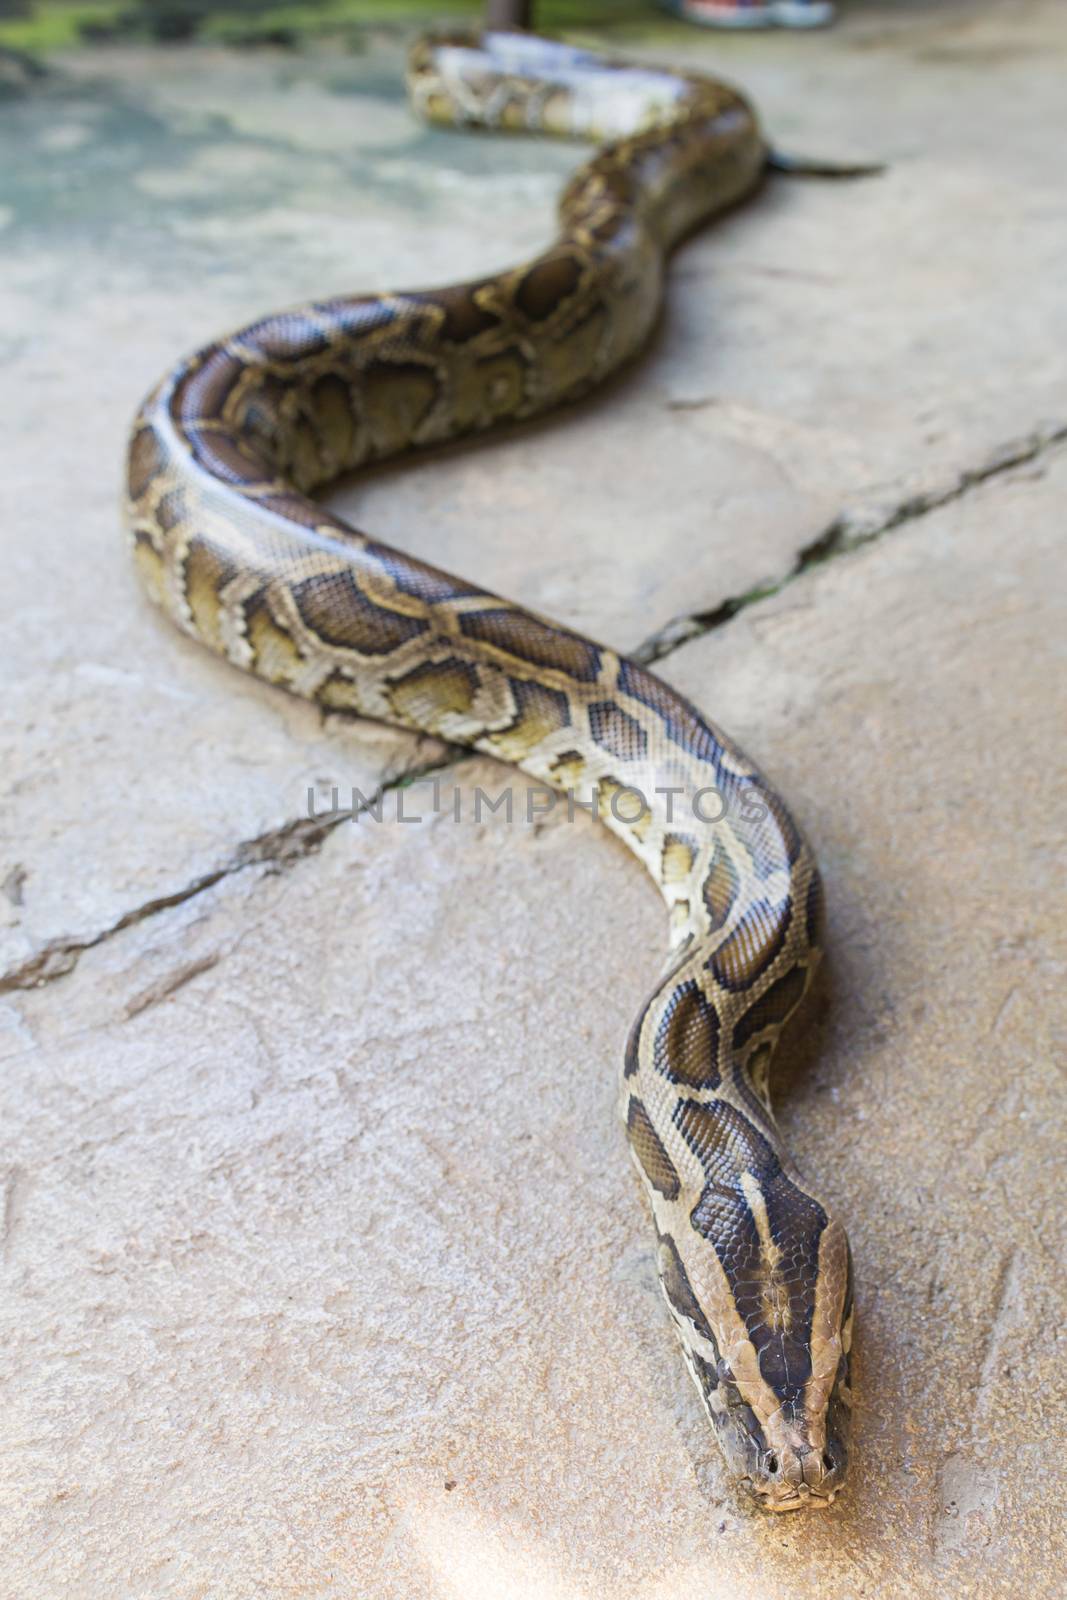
<point>508,14</point>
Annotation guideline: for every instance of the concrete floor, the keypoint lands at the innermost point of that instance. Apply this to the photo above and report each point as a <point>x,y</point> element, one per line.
<point>324,1270</point>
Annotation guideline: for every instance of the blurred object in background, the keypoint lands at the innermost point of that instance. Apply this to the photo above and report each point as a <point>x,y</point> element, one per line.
<point>43,26</point>
<point>752,13</point>
<point>509,14</point>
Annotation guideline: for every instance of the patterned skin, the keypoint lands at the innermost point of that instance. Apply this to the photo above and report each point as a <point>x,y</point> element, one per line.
<point>224,458</point>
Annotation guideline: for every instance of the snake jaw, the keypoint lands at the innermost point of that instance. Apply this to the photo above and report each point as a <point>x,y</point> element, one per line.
<point>801,1500</point>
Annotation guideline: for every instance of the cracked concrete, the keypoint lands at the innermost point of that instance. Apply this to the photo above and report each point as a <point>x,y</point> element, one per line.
<point>324,1272</point>
<point>277,848</point>
<point>852,528</point>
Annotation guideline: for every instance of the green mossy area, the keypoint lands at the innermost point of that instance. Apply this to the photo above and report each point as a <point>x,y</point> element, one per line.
<point>40,26</point>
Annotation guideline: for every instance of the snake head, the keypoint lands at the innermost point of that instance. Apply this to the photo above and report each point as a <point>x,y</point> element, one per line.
<point>808,1464</point>
<point>788,1462</point>
<point>775,1383</point>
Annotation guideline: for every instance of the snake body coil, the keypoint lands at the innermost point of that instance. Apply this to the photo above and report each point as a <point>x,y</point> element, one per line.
<point>224,457</point>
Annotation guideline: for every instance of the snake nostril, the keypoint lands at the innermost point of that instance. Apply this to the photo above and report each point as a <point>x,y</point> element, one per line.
<point>772,1464</point>
<point>828,1461</point>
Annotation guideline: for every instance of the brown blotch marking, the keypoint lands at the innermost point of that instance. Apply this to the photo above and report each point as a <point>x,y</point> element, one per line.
<point>143,462</point>
<point>336,609</point>
<point>330,404</point>
<point>539,712</point>
<point>432,693</point>
<point>752,946</point>
<point>488,389</point>
<point>399,396</point>
<point>707,1130</point>
<point>720,887</point>
<point>206,387</point>
<point>547,284</point>
<point>205,573</point>
<point>464,318</point>
<point>773,1008</point>
<point>569,362</point>
<point>687,1039</point>
<point>679,854</point>
<point>615,732</point>
<point>232,459</point>
<point>679,1290</point>
<point>523,636</point>
<point>171,510</point>
<point>305,460</point>
<point>656,1164</point>
<point>258,410</point>
<point>683,722</point>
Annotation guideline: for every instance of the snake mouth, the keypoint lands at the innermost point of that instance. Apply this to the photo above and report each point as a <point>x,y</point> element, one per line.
<point>789,1496</point>
<point>799,1499</point>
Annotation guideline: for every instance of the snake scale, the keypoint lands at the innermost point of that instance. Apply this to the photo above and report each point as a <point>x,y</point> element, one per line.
<point>224,460</point>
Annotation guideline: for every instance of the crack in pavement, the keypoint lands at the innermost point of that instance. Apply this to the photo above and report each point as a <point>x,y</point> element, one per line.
<point>279,848</point>
<point>302,837</point>
<point>849,531</point>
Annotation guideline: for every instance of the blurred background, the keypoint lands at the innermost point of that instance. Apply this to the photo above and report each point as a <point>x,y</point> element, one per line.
<point>38,25</point>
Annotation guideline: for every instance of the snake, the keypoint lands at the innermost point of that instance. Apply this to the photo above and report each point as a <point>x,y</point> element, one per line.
<point>226,460</point>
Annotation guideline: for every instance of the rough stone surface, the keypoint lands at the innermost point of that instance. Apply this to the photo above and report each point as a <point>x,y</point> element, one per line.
<point>323,1269</point>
